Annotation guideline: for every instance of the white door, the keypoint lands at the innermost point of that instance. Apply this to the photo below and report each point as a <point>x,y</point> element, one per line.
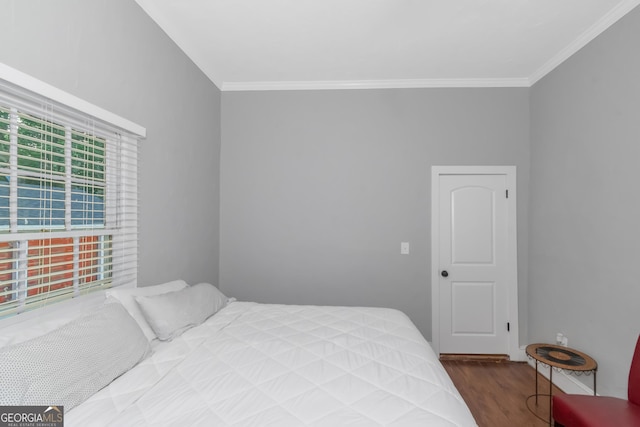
<point>474,263</point>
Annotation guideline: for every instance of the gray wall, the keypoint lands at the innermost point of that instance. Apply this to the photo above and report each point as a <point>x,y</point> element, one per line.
<point>584,260</point>
<point>320,187</point>
<point>110,53</point>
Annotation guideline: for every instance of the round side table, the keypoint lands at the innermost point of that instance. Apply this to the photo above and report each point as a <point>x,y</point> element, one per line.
<point>561,359</point>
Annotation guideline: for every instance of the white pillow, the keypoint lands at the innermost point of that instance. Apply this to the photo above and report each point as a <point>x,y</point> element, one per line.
<point>33,323</point>
<point>170,314</point>
<point>69,364</point>
<point>126,297</point>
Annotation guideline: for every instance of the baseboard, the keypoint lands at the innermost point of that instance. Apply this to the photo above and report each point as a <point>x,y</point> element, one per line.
<point>564,381</point>
<point>519,355</point>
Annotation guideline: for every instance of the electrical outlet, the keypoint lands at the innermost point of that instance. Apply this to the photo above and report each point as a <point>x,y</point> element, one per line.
<point>559,337</point>
<point>565,342</point>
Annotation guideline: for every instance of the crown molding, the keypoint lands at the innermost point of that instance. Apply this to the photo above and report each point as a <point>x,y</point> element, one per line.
<point>594,31</point>
<point>375,84</point>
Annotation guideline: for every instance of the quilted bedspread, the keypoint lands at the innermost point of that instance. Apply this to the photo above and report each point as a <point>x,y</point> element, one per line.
<point>284,365</point>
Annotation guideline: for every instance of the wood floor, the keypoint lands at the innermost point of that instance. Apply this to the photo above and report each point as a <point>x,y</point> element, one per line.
<point>497,391</point>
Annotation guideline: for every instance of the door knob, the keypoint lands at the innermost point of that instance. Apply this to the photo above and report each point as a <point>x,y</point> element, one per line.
<point>444,273</point>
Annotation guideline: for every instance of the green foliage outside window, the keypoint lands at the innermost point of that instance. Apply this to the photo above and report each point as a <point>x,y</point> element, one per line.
<point>41,148</point>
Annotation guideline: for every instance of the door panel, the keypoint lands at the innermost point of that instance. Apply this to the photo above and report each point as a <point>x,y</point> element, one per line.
<point>472,306</point>
<point>473,250</point>
<point>472,226</point>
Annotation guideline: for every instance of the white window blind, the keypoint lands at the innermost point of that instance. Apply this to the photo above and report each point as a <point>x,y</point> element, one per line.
<point>68,202</point>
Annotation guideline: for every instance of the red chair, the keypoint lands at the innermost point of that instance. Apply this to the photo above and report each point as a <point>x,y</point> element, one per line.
<point>574,410</point>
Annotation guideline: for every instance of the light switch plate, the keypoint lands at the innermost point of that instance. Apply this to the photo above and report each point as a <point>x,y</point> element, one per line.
<point>404,248</point>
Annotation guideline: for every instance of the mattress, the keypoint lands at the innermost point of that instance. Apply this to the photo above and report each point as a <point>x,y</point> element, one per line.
<point>285,365</point>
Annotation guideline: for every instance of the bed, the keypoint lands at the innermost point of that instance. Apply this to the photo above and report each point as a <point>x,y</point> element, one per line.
<point>254,364</point>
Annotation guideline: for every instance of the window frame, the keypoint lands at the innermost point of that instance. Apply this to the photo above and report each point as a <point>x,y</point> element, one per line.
<point>114,241</point>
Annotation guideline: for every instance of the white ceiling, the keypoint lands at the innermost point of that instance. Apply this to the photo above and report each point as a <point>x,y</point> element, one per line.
<point>324,44</point>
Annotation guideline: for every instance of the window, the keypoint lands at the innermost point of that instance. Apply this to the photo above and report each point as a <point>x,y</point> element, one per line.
<point>68,202</point>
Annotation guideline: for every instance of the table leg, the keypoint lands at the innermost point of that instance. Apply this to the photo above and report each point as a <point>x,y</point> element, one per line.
<point>536,382</point>
<point>594,382</point>
<point>550,392</point>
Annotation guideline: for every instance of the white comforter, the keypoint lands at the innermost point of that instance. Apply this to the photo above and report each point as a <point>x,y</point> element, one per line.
<point>282,365</point>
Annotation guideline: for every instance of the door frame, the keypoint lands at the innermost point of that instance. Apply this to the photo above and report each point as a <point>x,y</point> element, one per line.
<point>512,249</point>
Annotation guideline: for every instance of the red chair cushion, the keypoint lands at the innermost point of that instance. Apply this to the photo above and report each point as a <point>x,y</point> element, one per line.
<point>574,410</point>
